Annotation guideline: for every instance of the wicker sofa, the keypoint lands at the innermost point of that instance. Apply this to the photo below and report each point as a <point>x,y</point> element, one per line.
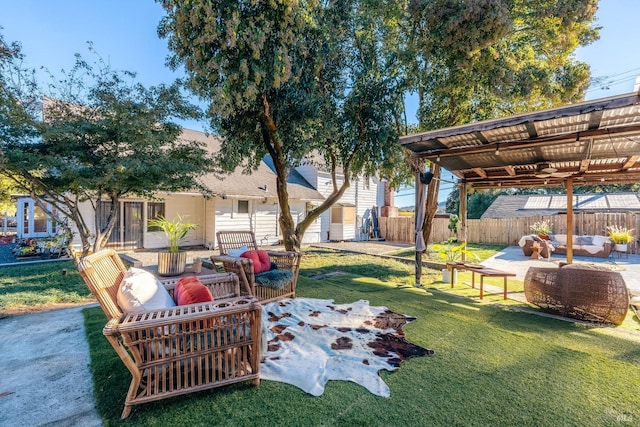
<point>584,292</point>
<point>594,246</point>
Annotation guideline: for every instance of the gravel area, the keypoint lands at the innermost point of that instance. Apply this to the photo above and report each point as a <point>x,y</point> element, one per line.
<point>6,256</point>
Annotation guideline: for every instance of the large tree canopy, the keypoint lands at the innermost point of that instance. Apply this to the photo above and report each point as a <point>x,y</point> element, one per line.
<point>480,59</point>
<point>102,136</point>
<point>297,80</point>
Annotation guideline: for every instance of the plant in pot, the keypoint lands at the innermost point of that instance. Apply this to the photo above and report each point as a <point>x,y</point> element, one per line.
<point>450,252</point>
<point>621,236</point>
<point>542,229</point>
<point>172,262</point>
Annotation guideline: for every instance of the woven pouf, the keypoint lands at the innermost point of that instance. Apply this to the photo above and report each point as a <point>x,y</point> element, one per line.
<point>584,292</point>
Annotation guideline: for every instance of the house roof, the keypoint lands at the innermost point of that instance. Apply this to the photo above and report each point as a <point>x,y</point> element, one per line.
<point>552,204</point>
<point>590,142</point>
<point>259,184</point>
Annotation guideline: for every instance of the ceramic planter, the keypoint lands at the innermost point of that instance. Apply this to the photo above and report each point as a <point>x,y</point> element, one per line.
<point>621,247</point>
<point>171,263</point>
<point>446,276</point>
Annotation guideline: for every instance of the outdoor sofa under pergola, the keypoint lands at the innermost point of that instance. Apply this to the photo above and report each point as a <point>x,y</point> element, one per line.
<point>592,142</point>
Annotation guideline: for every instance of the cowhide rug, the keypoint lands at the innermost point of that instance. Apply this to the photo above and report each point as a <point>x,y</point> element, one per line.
<point>312,341</point>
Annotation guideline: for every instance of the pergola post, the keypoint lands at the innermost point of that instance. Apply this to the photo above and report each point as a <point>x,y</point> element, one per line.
<point>569,185</point>
<point>418,220</point>
<point>462,229</point>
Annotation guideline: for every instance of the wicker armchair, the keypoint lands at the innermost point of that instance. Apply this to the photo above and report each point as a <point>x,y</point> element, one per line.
<point>243,267</point>
<point>544,245</point>
<point>579,291</point>
<point>183,349</point>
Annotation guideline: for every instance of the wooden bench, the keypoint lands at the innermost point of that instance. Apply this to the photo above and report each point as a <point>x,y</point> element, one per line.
<point>482,270</point>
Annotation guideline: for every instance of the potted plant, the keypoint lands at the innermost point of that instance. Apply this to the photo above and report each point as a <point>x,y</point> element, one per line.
<point>621,236</point>
<point>448,252</point>
<point>172,262</point>
<point>542,229</point>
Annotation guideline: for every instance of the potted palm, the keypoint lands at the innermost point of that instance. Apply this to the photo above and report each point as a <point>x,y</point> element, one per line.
<point>621,236</point>
<point>448,252</point>
<point>172,262</point>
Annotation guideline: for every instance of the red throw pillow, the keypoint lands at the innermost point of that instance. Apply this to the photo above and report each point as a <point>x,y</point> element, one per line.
<point>189,290</point>
<point>260,258</point>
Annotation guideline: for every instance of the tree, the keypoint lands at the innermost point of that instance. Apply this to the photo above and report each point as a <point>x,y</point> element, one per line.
<point>298,81</point>
<point>482,59</point>
<point>103,137</point>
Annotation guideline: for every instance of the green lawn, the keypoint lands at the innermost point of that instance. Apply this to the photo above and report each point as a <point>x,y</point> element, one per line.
<point>493,366</point>
<point>480,250</point>
<point>37,286</point>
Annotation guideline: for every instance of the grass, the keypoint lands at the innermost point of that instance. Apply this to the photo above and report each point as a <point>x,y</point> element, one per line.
<point>33,287</point>
<point>492,366</point>
<point>482,251</point>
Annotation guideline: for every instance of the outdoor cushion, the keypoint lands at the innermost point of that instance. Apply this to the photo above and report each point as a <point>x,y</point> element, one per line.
<point>237,252</point>
<point>599,240</point>
<point>584,240</point>
<point>260,258</point>
<point>142,291</point>
<point>189,290</point>
<point>275,279</point>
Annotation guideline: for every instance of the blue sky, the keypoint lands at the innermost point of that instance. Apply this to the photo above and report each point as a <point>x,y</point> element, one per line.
<point>123,32</point>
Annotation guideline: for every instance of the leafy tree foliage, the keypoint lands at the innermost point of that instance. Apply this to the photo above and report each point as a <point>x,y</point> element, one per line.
<point>301,81</point>
<point>480,59</point>
<point>102,137</point>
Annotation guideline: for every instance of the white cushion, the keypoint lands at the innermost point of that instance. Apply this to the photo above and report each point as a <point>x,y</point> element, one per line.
<point>237,252</point>
<point>599,240</point>
<point>560,238</point>
<point>142,291</point>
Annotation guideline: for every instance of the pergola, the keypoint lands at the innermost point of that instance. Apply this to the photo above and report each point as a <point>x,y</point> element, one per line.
<point>592,142</point>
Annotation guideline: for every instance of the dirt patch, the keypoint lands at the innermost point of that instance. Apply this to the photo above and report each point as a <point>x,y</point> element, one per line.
<point>18,311</point>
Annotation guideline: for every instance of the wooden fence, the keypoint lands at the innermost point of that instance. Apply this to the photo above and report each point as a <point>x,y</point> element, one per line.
<point>507,231</point>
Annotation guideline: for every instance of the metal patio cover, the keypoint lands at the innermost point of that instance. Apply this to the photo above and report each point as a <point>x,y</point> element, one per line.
<point>592,142</point>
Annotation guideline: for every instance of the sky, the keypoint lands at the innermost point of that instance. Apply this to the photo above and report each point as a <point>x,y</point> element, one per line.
<point>124,34</point>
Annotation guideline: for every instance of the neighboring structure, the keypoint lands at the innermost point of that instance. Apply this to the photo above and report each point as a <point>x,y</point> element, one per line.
<point>31,220</point>
<point>240,202</point>
<point>553,204</point>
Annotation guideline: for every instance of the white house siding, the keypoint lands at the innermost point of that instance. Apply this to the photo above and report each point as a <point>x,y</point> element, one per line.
<point>210,222</point>
<point>362,194</point>
<point>263,220</point>
<point>190,206</point>
<point>367,199</point>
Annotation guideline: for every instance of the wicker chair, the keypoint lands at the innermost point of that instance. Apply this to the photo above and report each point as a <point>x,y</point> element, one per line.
<point>183,349</point>
<point>243,267</point>
<point>545,251</point>
<point>579,291</point>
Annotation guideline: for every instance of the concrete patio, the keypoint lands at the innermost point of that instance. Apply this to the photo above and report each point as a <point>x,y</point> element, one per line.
<point>512,259</point>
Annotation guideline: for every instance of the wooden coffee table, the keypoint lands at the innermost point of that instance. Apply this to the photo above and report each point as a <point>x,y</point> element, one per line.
<point>482,271</point>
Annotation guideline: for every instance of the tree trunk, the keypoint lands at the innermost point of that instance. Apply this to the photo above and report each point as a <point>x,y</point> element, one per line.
<point>432,201</point>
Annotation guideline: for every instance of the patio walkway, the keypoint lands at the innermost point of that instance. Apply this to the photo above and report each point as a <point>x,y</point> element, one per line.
<point>512,259</point>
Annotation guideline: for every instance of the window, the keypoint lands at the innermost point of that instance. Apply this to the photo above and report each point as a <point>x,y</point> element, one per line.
<point>243,206</point>
<point>336,215</point>
<point>154,210</point>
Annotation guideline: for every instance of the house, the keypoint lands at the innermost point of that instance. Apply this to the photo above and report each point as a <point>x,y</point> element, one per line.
<point>239,202</point>
<point>553,204</point>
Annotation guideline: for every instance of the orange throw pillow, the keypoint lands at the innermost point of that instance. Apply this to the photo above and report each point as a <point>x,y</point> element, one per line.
<point>189,290</point>
<point>260,258</point>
